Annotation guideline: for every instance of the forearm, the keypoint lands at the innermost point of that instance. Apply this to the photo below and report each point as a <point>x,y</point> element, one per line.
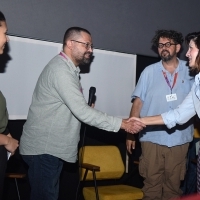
<point>4,139</point>
<point>180,115</point>
<point>136,108</point>
<point>153,120</point>
<point>9,143</point>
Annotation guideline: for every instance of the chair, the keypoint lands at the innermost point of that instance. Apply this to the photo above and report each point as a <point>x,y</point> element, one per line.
<point>105,163</point>
<point>16,176</point>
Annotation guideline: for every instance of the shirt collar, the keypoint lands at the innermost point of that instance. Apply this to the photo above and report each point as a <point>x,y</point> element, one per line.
<point>179,67</point>
<point>76,69</point>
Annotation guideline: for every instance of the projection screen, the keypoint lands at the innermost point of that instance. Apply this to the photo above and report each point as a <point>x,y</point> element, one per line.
<point>112,73</point>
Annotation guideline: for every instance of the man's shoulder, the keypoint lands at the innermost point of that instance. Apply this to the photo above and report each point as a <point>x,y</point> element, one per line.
<point>55,66</point>
<point>152,66</point>
<point>56,59</point>
<point>156,64</point>
<point>57,63</point>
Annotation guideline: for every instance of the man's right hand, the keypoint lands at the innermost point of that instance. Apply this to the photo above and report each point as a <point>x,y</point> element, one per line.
<point>130,144</point>
<point>132,125</point>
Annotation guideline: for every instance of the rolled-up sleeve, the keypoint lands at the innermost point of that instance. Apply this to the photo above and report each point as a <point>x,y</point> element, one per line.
<point>181,114</point>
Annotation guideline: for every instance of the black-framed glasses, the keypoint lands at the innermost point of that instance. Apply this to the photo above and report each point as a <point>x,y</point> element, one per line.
<point>167,44</point>
<point>87,45</point>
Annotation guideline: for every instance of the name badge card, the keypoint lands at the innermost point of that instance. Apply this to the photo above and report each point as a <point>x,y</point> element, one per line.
<point>171,97</point>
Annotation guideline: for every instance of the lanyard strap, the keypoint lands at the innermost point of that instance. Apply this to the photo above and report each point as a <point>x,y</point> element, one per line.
<point>168,83</point>
<point>63,55</point>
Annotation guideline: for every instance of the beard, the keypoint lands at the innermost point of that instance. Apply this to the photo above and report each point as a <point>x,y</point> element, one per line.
<point>166,56</point>
<point>83,59</point>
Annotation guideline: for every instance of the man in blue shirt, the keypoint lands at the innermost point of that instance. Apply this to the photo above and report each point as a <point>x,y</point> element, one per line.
<point>163,86</point>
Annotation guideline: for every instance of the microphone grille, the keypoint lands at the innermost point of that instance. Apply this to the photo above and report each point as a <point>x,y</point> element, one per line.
<point>92,89</point>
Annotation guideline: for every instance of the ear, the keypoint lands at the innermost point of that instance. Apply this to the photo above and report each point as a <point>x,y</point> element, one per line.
<point>178,48</point>
<point>69,44</point>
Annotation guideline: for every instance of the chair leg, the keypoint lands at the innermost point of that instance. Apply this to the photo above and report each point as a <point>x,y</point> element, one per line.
<point>95,185</point>
<point>17,188</point>
<point>80,185</point>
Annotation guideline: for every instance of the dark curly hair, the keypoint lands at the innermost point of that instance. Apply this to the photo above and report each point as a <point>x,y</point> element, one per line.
<point>177,37</point>
<point>195,37</point>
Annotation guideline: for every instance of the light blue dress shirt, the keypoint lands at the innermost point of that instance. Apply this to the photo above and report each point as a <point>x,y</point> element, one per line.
<point>152,89</point>
<point>189,107</point>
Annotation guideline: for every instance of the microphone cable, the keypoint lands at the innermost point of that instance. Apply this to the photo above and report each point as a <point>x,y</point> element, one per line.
<point>92,92</point>
<point>80,162</point>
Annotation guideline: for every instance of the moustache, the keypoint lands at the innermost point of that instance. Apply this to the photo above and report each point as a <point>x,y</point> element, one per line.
<point>89,54</point>
<point>164,51</point>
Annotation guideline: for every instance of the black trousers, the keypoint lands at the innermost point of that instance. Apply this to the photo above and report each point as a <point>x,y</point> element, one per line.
<point>3,164</point>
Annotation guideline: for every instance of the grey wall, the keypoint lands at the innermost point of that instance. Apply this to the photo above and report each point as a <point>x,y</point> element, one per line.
<point>118,25</point>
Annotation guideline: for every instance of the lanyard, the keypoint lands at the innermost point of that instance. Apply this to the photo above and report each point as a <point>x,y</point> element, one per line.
<point>77,73</point>
<point>63,55</point>
<point>168,83</point>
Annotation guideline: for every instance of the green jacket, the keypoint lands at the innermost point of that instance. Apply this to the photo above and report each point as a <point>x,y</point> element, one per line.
<point>3,114</point>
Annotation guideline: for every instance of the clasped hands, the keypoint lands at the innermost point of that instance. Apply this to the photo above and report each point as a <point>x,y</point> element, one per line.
<point>132,125</point>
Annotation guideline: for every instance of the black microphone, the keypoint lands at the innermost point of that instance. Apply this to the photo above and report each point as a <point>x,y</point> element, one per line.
<point>91,95</point>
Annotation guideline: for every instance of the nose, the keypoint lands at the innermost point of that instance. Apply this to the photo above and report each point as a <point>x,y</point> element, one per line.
<point>187,53</point>
<point>90,49</point>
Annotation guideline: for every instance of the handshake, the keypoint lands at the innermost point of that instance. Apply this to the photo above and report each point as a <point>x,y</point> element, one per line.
<point>132,125</point>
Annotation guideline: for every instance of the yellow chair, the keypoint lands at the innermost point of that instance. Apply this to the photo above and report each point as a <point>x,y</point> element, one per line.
<point>101,163</point>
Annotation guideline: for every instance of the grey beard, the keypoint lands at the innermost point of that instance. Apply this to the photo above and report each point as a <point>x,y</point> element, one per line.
<point>165,59</point>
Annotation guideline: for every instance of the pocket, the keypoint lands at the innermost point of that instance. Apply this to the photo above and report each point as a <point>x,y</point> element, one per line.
<point>142,170</point>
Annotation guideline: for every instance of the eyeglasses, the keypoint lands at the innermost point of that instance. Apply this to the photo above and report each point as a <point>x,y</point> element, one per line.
<point>167,44</point>
<point>87,45</point>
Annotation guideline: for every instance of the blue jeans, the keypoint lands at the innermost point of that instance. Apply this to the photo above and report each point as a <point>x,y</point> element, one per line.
<point>44,172</point>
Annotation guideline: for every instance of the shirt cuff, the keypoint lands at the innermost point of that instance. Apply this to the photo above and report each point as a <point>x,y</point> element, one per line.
<point>169,119</point>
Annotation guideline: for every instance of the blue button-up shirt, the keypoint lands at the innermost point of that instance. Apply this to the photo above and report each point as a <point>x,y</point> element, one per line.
<point>152,89</point>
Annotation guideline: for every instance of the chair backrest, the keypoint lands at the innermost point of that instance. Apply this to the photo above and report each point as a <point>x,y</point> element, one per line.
<point>107,157</point>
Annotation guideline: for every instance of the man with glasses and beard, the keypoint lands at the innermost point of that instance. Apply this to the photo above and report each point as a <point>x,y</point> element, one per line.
<point>162,86</point>
<point>51,132</point>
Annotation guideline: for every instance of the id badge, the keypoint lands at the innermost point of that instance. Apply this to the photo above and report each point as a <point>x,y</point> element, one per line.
<point>171,97</point>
